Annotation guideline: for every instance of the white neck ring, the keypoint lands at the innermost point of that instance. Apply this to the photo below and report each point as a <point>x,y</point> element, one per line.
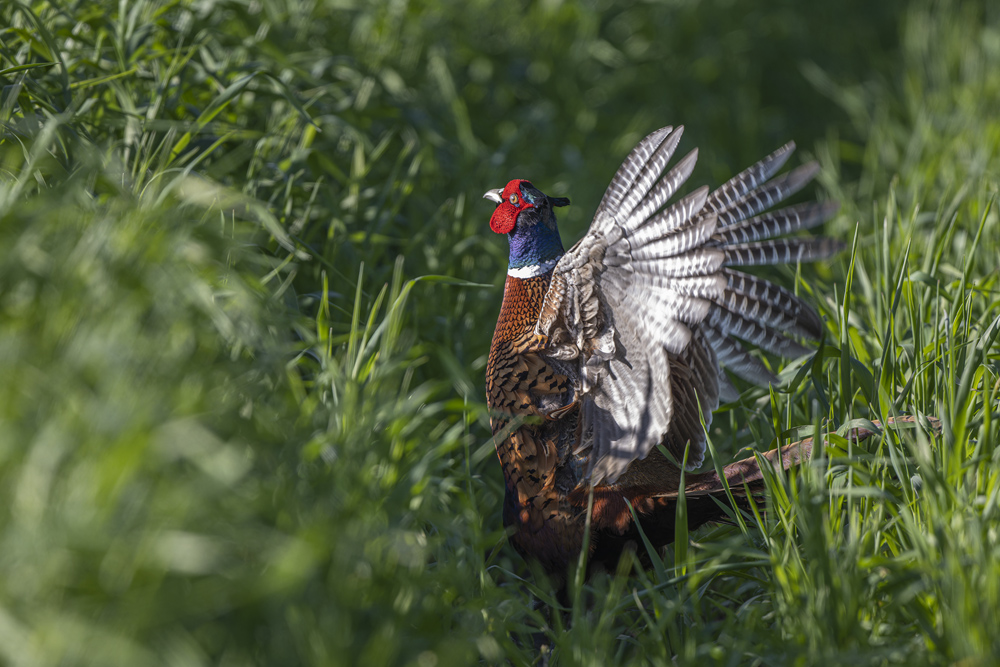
<point>533,270</point>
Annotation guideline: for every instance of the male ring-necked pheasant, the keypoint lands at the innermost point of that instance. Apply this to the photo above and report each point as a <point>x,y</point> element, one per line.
<point>604,352</point>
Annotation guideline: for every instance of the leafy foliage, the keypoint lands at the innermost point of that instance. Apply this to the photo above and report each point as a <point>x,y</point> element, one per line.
<point>245,300</point>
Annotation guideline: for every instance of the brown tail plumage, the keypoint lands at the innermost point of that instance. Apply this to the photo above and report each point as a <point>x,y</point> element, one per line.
<point>703,493</point>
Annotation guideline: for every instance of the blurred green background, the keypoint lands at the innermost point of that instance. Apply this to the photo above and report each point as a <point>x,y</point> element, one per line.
<point>247,288</point>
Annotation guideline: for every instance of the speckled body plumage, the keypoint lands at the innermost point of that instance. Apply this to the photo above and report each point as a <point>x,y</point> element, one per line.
<point>520,385</point>
<point>604,352</point>
<point>545,499</point>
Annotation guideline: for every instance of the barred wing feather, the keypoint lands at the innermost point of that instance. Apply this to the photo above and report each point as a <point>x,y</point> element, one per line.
<point>646,306</point>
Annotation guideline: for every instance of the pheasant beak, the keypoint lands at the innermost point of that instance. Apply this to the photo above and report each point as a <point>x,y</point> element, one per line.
<point>494,195</point>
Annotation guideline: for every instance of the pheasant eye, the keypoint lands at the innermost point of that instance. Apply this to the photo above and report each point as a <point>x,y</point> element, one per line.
<point>513,199</point>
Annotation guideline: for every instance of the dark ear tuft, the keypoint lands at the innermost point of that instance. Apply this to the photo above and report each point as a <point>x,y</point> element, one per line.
<point>559,201</point>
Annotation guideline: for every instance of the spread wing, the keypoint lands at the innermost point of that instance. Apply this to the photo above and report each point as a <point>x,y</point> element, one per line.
<point>647,305</point>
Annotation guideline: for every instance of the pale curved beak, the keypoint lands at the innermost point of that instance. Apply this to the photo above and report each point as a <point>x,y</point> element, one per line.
<point>494,195</point>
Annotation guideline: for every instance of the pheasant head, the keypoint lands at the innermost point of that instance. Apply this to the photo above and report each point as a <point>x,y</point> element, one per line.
<point>525,215</point>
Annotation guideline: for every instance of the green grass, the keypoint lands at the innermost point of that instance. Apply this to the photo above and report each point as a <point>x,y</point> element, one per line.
<point>247,289</point>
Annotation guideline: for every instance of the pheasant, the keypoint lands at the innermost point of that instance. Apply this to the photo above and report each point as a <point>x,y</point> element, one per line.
<point>606,352</point>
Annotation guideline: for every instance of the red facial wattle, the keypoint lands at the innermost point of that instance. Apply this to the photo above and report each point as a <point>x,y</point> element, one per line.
<point>504,218</point>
